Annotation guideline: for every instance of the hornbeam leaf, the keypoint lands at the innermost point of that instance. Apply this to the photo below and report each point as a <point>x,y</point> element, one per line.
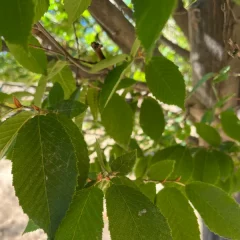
<point>165,81</point>
<point>45,171</point>
<point>84,217</point>
<point>16,19</point>
<point>132,215</point>
<point>75,8</point>
<point>219,211</point>
<point>179,214</point>
<point>9,130</point>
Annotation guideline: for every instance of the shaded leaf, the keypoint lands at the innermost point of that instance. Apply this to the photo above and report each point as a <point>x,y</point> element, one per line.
<point>41,6</point>
<point>179,214</point>
<point>9,130</point>
<point>149,190</point>
<point>165,81</point>
<point>231,124</point>
<point>218,210</point>
<point>16,19</point>
<point>141,166</point>
<point>206,167</point>
<point>122,180</point>
<point>84,218</point>
<point>155,12</point>
<point>125,83</point>
<point>135,215</point>
<point>31,226</point>
<point>33,59</point>
<point>117,118</point>
<point>152,119</point>
<point>70,108</point>
<point>44,171</point>
<point>56,94</point>
<point>208,133</point>
<point>160,171</point>
<point>124,164</point>
<point>40,90</point>
<point>92,99</point>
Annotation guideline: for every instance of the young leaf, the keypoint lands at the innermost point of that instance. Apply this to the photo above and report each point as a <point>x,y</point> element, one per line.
<point>184,163</point>
<point>110,85</point>
<point>56,94</point>
<point>208,133</point>
<point>16,19</point>
<point>41,6</point>
<point>149,190</point>
<point>31,226</point>
<point>135,215</point>
<point>80,148</point>
<point>75,8</point>
<point>180,216</point>
<point>165,81</point>
<point>63,75</point>
<point>92,99</point>
<point>117,118</point>
<point>44,171</point>
<point>155,12</point>
<point>206,167</point>
<point>108,62</point>
<point>33,59</point>
<point>218,210</point>
<point>124,164</point>
<point>225,164</point>
<point>161,171</point>
<point>230,124</point>
<point>40,90</point>
<point>152,119</point>
<point>9,130</point>
<point>84,217</point>
<point>70,108</point>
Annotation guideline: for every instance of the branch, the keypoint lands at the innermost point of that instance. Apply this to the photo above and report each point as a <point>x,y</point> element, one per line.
<point>113,21</point>
<point>124,8</point>
<point>179,50</point>
<point>181,18</point>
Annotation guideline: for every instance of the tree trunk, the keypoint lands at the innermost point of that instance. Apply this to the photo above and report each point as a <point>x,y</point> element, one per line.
<point>212,23</point>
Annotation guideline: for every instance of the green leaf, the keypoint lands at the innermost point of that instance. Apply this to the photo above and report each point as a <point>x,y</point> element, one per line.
<point>9,130</point>
<point>44,171</point>
<point>109,62</point>
<point>75,8</point>
<point>100,156</point>
<point>141,167</point>
<point>206,167</point>
<point>41,6</point>
<point>149,190</point>
<point>31,226</point>
<point>117,118</point>
<point>122,180</point>
<point>40,90</point>
<point>231,124</point>
<point>179,214</point>
<point>155,12</point>
<point>33,59</point>
<point>222,76</point>
<point>92,99</point>
<point>165,81</point>
<point>71,108</point>
<point>56,94</point>
<point>80,148</point>
<point>16,19</point>
<point>126,83</point>
<point>208,133</point>
<point>110,85</point>
<point>218,210</point>
<point>161,171</point>
<point>225,164</point>
<point>63,75</point>
<point>135,215</point>
<point>184,163</point>
<point>84,217</point>
<point>124,164</point>
<point>152,119</point>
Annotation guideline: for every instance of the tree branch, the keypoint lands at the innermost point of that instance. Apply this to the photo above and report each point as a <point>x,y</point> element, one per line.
<point>181,18</point>
<point>179,50</point>
<point>124,8</point>
<point>118,28</point>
